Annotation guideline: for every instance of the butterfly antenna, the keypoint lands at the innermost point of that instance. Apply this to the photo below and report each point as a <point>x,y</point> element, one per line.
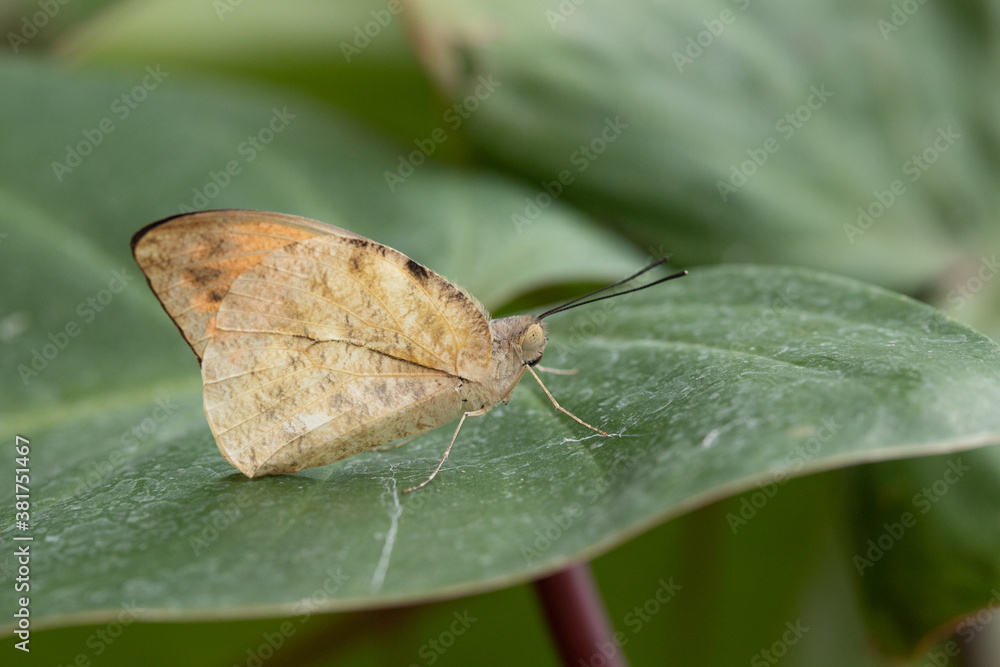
<point>585,299</point>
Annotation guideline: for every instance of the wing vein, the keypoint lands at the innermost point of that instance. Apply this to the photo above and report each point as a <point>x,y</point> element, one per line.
<point>352,408</point>
<point>409,278</point>
<point>250,372</point>
<point>370,324</point>
<point>255,415</point>
<point>262,386</point>
<point>399,326</point>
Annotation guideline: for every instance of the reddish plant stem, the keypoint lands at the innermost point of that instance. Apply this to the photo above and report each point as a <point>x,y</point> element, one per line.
<point>577,618</point>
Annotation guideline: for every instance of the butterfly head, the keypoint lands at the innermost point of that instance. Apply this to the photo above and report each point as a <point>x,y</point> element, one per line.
<point>524,335</point>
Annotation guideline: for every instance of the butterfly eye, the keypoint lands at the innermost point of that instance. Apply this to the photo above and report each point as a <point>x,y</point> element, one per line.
<point>533,342</point>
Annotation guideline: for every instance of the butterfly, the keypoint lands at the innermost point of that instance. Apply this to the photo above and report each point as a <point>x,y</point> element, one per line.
<point>317,344</point>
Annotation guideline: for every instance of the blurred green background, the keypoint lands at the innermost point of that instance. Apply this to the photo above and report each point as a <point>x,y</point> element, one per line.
<point>861,138</point>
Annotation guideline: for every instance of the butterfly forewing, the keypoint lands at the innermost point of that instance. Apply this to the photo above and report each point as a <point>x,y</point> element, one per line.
<point>359,291</point>
<point>192,260</point>
<point>333,345</point>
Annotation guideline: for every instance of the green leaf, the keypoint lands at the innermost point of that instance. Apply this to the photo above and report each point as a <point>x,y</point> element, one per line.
<point>733,377</point>
<point>354,56</point>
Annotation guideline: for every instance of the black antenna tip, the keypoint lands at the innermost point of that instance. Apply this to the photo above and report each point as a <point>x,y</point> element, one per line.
<point>585,299</point>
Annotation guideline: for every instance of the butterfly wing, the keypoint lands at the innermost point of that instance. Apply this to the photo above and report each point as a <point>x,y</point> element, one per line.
<point>332,345</point>
<point>191,260</point>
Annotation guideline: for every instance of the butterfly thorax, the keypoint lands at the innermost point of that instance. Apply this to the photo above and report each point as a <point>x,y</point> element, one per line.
<point>517,341</point>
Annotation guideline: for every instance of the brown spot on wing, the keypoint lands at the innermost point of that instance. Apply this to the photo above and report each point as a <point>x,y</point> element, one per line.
<point>417,271</point>
<point>202,275</point>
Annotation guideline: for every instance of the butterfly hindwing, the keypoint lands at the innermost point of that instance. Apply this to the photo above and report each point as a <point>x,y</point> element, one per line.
<point>332,345</point>
<point>280,404</point>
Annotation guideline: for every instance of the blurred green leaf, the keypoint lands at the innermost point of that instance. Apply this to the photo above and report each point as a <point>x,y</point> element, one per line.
<point>33,26</point>
<point>403,636</point>
<point>970,292</point>
<point>678,590</point>
<point>925,539</point>
<point>807,112</point>
<point>354,56</point>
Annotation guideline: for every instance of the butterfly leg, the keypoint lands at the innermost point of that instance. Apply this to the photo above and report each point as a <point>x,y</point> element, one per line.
<point>556,371</point>
<point>559,407</point>
<point>395,445</point>
<point>447,451</point>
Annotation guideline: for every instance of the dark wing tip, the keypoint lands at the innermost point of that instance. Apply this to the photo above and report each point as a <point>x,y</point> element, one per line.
<point>153,225</point>
<point>150,227</point>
